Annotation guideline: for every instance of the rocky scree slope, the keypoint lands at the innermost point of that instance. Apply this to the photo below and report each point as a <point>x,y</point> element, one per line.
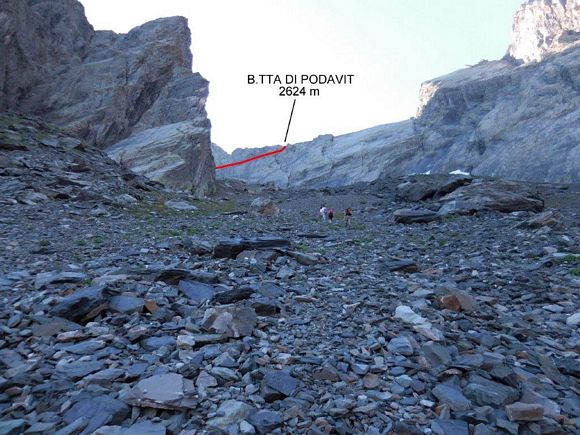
<point>41,163</point>
<point>465,325</point>
<point>515,118</point>
<point>132,94</point>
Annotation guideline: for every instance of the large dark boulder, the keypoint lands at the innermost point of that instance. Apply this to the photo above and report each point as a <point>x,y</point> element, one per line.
<point>419,216</point>
<point>230,248</point>
<point>423,187</point>
<point>81,304</point>
<point>499,196</point>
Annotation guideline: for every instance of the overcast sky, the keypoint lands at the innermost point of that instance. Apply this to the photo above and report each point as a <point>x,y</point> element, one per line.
<point>391,46</point>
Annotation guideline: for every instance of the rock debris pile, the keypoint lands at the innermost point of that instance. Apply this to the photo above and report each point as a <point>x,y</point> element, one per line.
<point>124,313</point>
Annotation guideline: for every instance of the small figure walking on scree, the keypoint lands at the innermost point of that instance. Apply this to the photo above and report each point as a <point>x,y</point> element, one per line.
<point>330,215</point>
<point>348,216</point>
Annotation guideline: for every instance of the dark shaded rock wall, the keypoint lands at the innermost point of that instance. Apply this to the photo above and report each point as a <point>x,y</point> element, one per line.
<point>107,87</point>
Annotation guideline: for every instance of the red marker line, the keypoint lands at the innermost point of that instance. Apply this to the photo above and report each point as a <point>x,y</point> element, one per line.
<point>259,156</point>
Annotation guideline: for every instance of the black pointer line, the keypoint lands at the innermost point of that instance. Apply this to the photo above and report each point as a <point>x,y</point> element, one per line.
<point>290,120</point>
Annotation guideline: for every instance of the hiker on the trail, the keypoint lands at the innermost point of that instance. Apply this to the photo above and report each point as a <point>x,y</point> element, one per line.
<point>324,212</point>
<point>330,215</point>
<point>348,216</point>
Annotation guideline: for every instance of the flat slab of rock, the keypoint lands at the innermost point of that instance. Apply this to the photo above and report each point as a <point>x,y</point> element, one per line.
<point>86,347</point>
<point>126,304</point>
<point>459,301</point>
<point>400,265</point>
<point>203,339</point>
<point>423,187</point>
<point>264,207</point>
<point>196,246</point>
<point>450,427</point>
<point>99,411</point>
<point>304,259</point>
<point>230,320</point>
<point>265,421</point>
<point>168,391</point>
<point>45,278</point>
<point>402,345</point>
<point>277,385</point>
<point>271,290</point>
<point>452,397</point>
<point>265,306</point>
<point>233,295</point>
<point>524,412</point>
<point>421,216</point>
<point>173,276</point>
<point>406,314</point>
<point>79,369</point>
<point>499,196</point>
<point>485,392</point>
<point>141,428</point>
<point>154,343</point>
<point>83,303</point>
<point>232,247</point>
<point>548,218</point>
<point>196,291</point>
<point>230,412</point>
<point>180,205</point>
<point>13,427</point>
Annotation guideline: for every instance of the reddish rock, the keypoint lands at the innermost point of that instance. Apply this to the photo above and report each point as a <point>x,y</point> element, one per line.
<point>524,412</point>
<point>458,302</point>
<point>451,302</point>
<point>371,381</point>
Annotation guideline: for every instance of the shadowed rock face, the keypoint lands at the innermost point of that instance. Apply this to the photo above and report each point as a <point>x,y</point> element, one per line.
<point>107,87</point>
<point>510,118</point>
<point>498,119</point>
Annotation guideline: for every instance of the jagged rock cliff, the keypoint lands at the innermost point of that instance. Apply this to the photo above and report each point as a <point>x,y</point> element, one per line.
<point>116,91</point>
<point>511,118</point>
<point>544,26</point>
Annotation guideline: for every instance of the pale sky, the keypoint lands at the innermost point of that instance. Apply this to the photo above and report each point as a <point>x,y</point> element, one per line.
<point>391,46</point>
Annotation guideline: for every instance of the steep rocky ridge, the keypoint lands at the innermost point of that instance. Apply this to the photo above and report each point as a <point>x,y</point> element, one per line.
<point>544,26</point>
<point>510,118</point>
<point>327,160</point>
<point>108,88</point>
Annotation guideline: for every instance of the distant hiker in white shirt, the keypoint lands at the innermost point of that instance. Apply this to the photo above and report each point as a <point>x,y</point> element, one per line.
<point>324,212</point>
